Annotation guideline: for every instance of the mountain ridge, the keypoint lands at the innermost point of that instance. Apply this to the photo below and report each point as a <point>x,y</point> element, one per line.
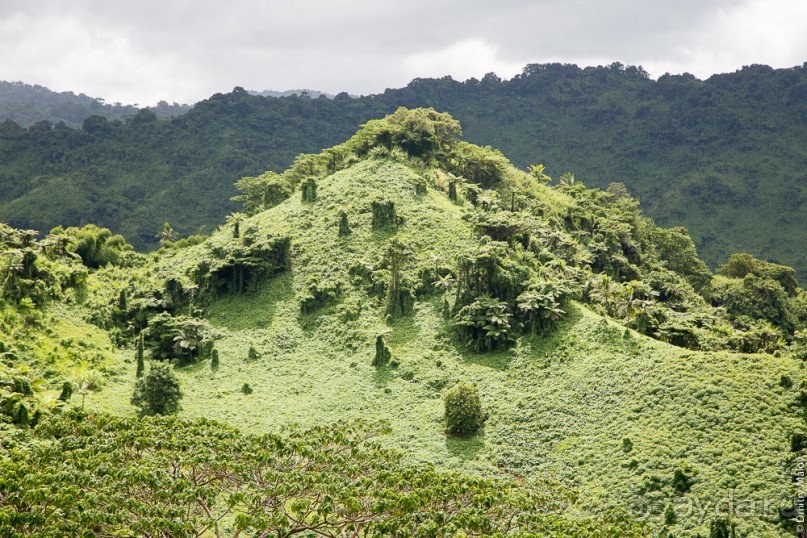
<point>716,156</point>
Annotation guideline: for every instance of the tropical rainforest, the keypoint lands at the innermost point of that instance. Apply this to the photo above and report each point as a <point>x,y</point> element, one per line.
<point>401,335</point>
<point>722,157</point>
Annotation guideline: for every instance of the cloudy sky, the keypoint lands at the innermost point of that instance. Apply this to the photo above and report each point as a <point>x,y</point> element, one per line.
<point>181,50</point>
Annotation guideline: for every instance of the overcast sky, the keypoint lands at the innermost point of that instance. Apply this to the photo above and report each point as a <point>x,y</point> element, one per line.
<point>185,50</point>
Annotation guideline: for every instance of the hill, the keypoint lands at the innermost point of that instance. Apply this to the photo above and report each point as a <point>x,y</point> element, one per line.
<point>27,104</point>
<point>719,156</point>
<point>366,281</point>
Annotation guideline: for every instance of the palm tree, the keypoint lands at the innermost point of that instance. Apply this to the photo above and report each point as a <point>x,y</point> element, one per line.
<point>235,219</point>
<point>14,266</point>
<point>58,245</point>
<point>189,339</point>
<point>445,283</point>
<point>566,180</point>
<point>166,235</point>
<point>537,171</point>
<point>603,292</point>
<point>190,290</point>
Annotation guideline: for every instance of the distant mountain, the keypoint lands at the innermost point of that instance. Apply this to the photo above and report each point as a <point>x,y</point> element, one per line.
<point>314,94</point>
<point>27,104</point>
<point>723,157</point>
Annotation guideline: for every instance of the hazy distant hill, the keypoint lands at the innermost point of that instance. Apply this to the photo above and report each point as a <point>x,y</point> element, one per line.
<point>723,157</point>
<point>27,104</point>
<point>310,93</point>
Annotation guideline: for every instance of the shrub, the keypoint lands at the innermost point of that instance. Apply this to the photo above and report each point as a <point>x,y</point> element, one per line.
<point>384,214</point>
<point>246,389</point>
<point>96,246</point>
<point>157,392</point>
<point>670,517</point>
<point>309,190</point>
<point>464,412</point>
<point>344,225</point>
<point>798,441</point>
<point>382,352</point>
<point>682,480</point>
<point>214,359</point>
<point>67,391</point>
<point>722,528</point>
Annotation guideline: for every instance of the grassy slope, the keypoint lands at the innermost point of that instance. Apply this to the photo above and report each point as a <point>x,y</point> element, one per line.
<point>560,405</point>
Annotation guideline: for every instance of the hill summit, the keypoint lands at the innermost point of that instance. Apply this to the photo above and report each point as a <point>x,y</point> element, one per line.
<point>371,280</point>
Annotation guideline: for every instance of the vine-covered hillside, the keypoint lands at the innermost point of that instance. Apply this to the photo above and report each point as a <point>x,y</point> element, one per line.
<point>597,361</point>
<point>720,156</point>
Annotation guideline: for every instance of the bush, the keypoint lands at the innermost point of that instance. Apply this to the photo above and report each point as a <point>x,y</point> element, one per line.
<point>682,480</point>
<point>383,355</point>
<point>464,412</point>
<point>67,391</point>
<point>157,392</point>
<point>96,246</point>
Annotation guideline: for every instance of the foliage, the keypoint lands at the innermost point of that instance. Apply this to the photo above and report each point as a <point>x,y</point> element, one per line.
<point>157,392</point>
<point>383,355</point>
<point>96,246</point>
<point>758,298</point>
<point>698,153</point>
<point>344,226</point>
<point>332,481</point>
<point>741,265</point>
<point>485,323</point>
<point>463,409</point>
<point>176,337</point>
<point>384,215</point>
<point>547,281</point>
<point>261,192</point>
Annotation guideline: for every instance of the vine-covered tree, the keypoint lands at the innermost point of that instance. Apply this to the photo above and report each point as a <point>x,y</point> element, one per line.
<point>157,392</point>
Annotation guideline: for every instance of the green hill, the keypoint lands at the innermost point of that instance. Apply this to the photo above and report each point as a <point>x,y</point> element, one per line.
<point>27,104</point>
<point>623,383</point>
<point>720,156</point>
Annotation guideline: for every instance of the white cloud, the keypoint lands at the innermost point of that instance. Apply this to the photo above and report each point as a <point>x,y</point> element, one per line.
<point>65,54</point>
<point>462,60</point>
<point>145,50</point>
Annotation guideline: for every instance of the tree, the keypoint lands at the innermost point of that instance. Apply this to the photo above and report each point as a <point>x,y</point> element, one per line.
<point>157,392</point>
<point>309,190</point>
<point>463,409</point>
<point>567,179</point>
<point>383,355</point>
<point>537,171</point>
<point>189,340</point>
<point>235,220</point>
<point>166,235</point>
<point>396,255</point>
<point>344,225</point>
<point>141,366</point>
<point>110,476</point>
